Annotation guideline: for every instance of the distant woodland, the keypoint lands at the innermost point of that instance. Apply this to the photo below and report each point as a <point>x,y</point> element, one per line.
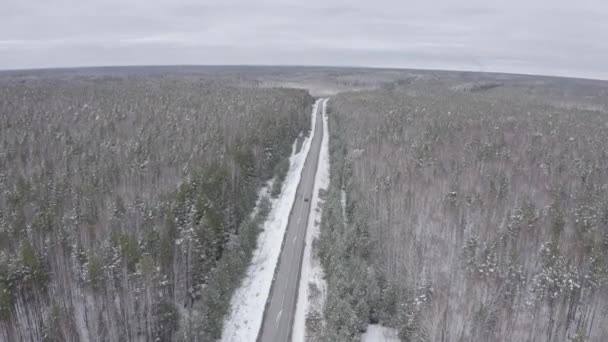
<point>126,203</point>
<point>473,213</point>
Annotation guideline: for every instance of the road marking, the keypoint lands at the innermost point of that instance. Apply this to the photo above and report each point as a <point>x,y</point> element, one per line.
<point>299,219</point>
<point>294,239</point>
<point>278,316</point>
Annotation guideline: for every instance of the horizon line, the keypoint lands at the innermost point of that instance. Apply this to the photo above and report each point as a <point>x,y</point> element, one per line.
<point>311,66</point>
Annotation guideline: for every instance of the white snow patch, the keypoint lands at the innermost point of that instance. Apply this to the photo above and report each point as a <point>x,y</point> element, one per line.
<point>312,272</point>
<point>249,300</point>
<point>379,333</point>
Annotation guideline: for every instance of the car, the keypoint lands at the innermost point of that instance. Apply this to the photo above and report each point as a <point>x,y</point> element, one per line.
<point>305,199</point>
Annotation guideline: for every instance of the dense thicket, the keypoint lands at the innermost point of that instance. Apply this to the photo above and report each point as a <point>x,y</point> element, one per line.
<point>125,203</point>
<point>470,216</point>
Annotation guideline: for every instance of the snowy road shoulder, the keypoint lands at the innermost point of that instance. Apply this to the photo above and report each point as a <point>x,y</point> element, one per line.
<point>249,300</point>
<point>312,273</point>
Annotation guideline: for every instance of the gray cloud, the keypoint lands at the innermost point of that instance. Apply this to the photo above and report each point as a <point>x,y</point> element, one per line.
<point>526,36</point>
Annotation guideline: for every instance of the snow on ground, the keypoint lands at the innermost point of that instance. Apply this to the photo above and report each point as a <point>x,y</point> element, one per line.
<point>379,333</point>
<point>311,267</point>
<point>249,300</point>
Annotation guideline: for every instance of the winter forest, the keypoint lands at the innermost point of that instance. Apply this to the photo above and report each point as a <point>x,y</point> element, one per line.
<point>455,206</point>
<point>473,212</point>
<point>125,202</point>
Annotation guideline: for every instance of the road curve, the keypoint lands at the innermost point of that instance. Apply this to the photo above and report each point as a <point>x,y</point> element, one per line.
<point>280,307</point>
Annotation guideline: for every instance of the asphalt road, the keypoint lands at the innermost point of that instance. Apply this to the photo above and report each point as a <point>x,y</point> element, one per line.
<point>280,309</point>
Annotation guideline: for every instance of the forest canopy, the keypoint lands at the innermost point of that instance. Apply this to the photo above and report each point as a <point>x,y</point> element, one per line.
<point>472,213</point>
<point>125,202</point>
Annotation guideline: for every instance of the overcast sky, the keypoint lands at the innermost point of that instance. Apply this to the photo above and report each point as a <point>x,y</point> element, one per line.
<point>554,37</point>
